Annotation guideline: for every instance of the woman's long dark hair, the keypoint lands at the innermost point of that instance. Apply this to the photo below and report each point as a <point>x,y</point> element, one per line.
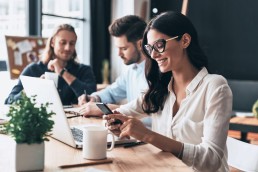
<point>171,24</point>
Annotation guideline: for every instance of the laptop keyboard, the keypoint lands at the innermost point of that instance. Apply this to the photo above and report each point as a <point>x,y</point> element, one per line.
<point>77,134</point>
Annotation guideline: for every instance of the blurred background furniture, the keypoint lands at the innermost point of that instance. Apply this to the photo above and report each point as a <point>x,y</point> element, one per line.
<point>242,156</point>
<point>245,125</point>
<point>245,93</point>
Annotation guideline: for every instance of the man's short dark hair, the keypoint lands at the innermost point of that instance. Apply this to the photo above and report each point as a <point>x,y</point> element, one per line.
<point>131,26</point>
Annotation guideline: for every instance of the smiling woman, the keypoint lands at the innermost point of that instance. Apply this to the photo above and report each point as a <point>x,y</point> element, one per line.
<point>159,45</point>
<point>190,108</point>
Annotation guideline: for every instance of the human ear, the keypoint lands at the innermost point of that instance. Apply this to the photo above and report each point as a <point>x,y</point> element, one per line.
<point>186,40</point>
<point>52,42</point>
<point>139,44</point>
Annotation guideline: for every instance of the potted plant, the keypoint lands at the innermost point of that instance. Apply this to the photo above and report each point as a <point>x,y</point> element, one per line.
<point>29,125</point>
<point>255,109</point>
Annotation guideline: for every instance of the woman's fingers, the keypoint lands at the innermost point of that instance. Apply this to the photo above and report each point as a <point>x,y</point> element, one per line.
<point>124,128</point>
<point>124,133</point>
<point>121,117</point>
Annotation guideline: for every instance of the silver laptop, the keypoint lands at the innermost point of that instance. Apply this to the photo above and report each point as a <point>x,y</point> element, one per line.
<point>46,92</point>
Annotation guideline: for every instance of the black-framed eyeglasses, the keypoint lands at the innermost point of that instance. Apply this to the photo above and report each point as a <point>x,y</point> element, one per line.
<point>159,46</point>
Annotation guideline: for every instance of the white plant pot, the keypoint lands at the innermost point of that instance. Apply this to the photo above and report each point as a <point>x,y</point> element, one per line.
<point>29,157</point>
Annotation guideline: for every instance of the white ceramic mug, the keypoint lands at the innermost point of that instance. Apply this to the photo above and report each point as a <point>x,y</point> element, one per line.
<point>95,142</point>
<point>52,76</point>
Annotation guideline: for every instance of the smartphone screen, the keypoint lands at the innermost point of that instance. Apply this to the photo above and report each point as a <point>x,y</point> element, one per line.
<point>105,109</point>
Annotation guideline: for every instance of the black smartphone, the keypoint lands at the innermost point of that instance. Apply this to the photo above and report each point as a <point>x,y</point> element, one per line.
<point>105,109</point>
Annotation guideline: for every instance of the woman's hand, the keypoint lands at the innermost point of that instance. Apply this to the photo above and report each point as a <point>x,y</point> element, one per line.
<point>130,126</point>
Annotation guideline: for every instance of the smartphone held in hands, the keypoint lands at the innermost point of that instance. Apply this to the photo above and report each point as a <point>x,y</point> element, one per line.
<point>105,109</point>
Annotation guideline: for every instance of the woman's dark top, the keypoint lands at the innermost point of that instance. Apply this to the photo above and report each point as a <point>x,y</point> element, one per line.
<point>85,80</point>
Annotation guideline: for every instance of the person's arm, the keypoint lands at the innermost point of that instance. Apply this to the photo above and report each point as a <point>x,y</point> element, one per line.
<point>84,81</point>
<point>15,93</point>
<point>85,98</point>
<point>113,106</point>
<point>79,77</point>
<point>91,109</point>
<point>201,156</point>
<point>66,75</point>
<point>135,128</point>
<point>114,92</point>
<point>34,70</point>
<point>133,108</point>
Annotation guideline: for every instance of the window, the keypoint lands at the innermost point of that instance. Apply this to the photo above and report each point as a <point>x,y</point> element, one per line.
<point>13,21</point>
<point>72,12</point>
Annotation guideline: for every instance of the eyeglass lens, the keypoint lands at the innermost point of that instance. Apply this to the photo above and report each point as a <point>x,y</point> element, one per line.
<point>158,46</point>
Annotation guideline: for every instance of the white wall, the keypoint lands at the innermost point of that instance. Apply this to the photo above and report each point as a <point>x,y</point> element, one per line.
<point>121,8</point>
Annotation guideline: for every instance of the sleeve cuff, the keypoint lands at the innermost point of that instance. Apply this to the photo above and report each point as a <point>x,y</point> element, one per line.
<point>188,154</point>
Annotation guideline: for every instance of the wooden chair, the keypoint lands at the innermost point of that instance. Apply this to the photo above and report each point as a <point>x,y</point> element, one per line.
<point>242,156</point>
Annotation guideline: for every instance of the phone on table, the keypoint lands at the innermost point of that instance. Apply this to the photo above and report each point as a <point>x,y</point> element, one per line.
<point>105,109</point>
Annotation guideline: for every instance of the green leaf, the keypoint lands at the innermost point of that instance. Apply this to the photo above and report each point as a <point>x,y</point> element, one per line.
<point>29,123</point>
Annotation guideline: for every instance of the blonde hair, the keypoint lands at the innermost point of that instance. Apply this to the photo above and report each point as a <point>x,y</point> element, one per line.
<point>49,51</point>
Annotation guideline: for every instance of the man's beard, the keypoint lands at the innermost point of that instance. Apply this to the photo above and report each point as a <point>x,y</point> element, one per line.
<point>135,58</point>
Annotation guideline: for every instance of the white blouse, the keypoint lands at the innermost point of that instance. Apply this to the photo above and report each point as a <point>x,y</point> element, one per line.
<point>201,122</point>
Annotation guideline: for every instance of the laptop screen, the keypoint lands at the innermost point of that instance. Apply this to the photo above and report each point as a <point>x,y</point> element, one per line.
<point>45,91</point>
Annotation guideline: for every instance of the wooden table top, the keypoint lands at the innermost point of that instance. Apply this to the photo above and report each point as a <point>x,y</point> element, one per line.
<point>139,158</point>
<point>245,120</point>
<point>244,124</point>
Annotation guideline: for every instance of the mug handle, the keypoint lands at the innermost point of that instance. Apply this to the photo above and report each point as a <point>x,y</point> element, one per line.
<point>113,142</point>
